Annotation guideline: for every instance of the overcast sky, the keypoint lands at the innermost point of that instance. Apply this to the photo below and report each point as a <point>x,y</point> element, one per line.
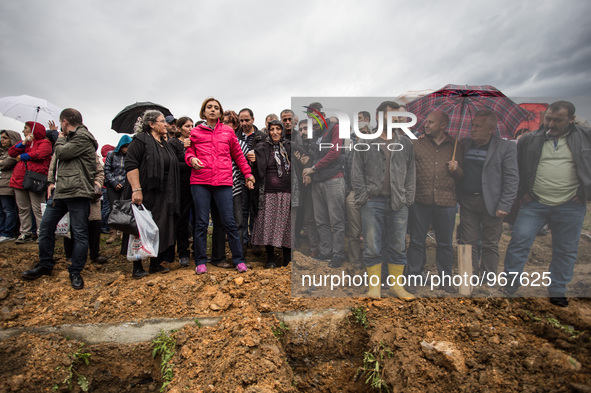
<point>100,56</point>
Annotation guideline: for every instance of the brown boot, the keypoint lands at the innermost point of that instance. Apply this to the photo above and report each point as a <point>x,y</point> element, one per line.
<point>112,238</point>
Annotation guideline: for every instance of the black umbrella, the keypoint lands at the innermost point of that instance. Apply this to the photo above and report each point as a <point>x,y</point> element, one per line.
<point>126,119</point>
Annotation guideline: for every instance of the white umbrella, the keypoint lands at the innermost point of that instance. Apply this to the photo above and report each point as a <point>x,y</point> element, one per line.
<point>26,108</point>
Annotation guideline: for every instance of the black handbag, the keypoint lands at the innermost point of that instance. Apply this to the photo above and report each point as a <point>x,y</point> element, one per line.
<point>34,181</point>
<point>122,219</point>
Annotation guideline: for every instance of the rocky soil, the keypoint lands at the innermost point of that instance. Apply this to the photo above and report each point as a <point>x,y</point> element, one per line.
<point>269,341</point>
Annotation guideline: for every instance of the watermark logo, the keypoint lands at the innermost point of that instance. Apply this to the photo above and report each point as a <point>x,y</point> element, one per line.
<point>345,123</point>
<point>394,120</point>
<point>317,115</point>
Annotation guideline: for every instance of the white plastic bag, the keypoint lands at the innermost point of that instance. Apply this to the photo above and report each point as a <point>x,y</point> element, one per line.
<point>148,231</point>
<point>133,249</point>
<point>63,227</point>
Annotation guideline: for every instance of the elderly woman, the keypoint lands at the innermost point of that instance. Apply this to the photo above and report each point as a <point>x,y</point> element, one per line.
<point>8,215</point>
<point>153,179</point>
<point>33,154</point>
<point>272,227</point>
<point>213,147</point>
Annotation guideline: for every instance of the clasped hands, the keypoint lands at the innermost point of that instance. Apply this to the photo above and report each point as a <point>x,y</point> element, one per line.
<point>197,164</point>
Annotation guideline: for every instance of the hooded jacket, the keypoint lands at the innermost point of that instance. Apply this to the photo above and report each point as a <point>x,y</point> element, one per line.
<point>215,149</point>
<point>105,150</point>
<point>75,165</point>
<point>115,164</point>
<point>7,163</point>
<point>36,154</point>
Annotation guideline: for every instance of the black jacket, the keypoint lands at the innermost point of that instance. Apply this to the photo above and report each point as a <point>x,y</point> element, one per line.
<point>529,150</point>
<point>368,173</point>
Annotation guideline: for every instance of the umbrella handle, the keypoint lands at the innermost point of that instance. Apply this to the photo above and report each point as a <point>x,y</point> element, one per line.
<point>35,121</point>
<point>453,157</point>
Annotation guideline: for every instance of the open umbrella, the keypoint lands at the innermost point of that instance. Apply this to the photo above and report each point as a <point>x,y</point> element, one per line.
<point>537,111</point>
<point>461,102</point>
<point>26,108</point>
<point>126,119</point>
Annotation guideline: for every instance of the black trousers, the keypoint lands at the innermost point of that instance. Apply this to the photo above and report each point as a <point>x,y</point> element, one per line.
<point>94,239</point>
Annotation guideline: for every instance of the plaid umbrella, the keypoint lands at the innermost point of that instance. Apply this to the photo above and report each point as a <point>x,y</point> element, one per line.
<point>534,122</point>
<point>461,102</point>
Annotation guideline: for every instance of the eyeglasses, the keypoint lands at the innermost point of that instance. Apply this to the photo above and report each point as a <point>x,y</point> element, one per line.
<point>160,121</point>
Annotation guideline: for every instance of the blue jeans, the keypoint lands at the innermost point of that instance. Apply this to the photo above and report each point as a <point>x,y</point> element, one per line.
<point>443,220</point>
<point>79,209</point>
<point>8,216</point>
<point>222,196</point>
<point>384,232</point>
<point>218,237</point>
<point>566,222</point>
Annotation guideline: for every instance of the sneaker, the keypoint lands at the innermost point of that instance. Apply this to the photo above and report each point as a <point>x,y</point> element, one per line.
<point>22,239</point>
<point>6,239</point>
<point>241,267</point>
<point>200,269</point>
<point>184,261</point>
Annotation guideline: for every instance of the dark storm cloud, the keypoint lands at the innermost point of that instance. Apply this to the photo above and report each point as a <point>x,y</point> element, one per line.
<point>100,56</point>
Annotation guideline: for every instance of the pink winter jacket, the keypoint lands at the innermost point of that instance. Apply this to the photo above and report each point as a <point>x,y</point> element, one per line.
<point>216,149</point>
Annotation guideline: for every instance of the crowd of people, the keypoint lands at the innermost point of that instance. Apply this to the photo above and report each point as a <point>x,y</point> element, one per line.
<point>264,189</point>
<point>381,194</point>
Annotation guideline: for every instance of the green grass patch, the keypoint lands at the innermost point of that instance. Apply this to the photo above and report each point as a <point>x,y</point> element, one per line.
<point>164,346</point>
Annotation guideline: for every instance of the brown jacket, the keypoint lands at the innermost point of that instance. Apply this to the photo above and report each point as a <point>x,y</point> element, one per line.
<point>7,164</point>
<point>435,184</point>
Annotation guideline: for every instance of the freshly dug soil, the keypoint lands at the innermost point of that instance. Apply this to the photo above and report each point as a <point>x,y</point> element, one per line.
<point>268,341</point>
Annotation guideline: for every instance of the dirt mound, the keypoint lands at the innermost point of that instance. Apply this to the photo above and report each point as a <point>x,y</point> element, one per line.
<point>240,354</point>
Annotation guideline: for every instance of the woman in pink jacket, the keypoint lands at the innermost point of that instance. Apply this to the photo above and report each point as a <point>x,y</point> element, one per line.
<point>213,147</point>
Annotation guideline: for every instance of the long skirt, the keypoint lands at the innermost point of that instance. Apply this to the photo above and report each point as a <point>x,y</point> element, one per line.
<point>272,226</point>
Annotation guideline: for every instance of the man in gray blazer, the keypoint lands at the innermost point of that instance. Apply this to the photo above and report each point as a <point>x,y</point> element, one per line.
<point>487,191</point>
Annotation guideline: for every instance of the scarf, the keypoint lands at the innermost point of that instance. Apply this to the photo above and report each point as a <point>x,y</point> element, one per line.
<point>281,157</point>
<point>154,169</point>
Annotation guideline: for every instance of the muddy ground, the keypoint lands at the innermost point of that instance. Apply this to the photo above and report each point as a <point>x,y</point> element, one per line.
<point>268,341</point>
